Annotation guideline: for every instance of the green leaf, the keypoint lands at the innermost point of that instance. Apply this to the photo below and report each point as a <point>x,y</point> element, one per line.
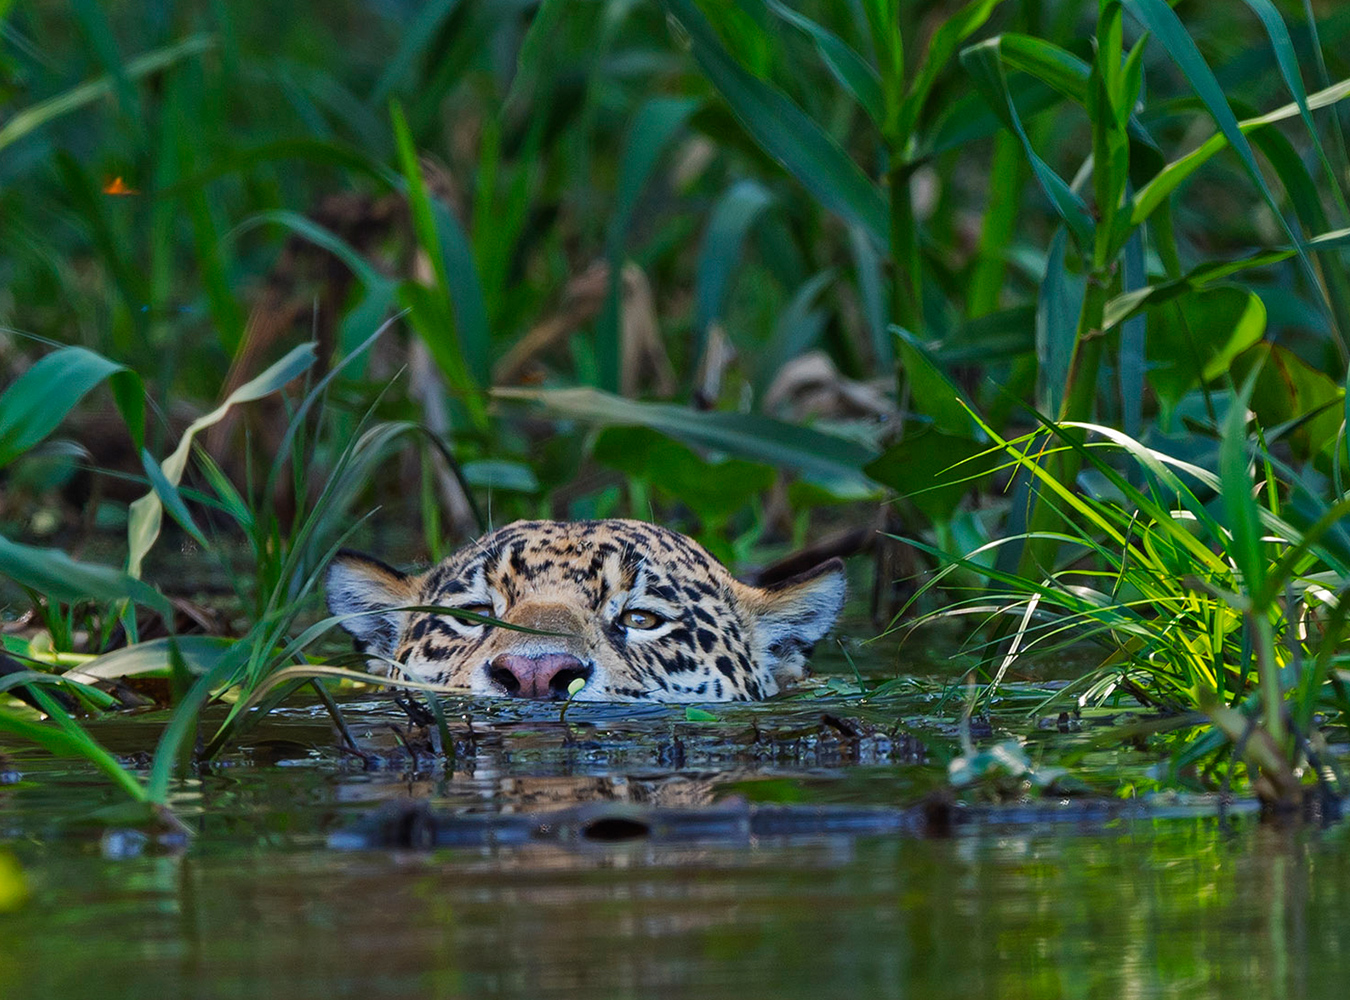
<point>985,63</point>
<point>1287,59</point>
<point>8,682</point>
<point>796,330</point>
<point>145,515</point>
<point>308,229</point>
<point>657,123</point>
<point>1057,308</point>
<point>935,395</point>
<point>1199,341</point>
<point>970,117</point>
<point>943,43</point>
<point>1163,22</point>
<point>466,292</point>
<point>53,573</point>
<point>1286,389</point>
<point>852,71</point>
<point>868,267</point>
<point>692,714</point>
<point>747,435</point>
<point>785,132</point>
<point>184,720</point>
<point>171,499</point>
<point>1239,504</point>
<point>433,315</point>
<point>79,744</point>
<point>39,399</point>
<point>201,653</point>
<point>714,491</point>
<point>497,474</point>
<point>1122,307</point>
<point>927,467</point>
<point>1151,195</point>
<point>417,38</point>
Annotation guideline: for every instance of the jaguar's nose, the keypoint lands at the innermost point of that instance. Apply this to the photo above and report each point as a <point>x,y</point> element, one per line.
<point>544,676</point>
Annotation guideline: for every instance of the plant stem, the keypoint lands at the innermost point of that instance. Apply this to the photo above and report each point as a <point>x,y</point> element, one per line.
<point>906,308</point>
<point>1080,393</point>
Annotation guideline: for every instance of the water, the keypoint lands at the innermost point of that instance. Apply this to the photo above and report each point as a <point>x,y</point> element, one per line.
<point>1048,899</point>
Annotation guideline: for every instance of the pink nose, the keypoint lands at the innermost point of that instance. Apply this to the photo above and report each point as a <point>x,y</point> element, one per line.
<point>545,676</point>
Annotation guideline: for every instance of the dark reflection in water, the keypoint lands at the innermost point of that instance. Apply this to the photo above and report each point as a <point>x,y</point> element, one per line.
<point>259,907</point>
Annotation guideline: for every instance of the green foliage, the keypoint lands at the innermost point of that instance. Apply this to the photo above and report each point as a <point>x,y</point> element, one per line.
<point>1202,598</point>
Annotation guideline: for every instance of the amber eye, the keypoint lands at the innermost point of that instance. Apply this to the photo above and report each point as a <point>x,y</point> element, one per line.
<point>636,618</point>
<point>477,609</point>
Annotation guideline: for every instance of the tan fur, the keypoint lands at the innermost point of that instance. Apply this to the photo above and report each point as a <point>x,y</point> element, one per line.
<point>719,639</point>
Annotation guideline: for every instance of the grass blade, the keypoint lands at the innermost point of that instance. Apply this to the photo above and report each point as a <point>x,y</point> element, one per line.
<point>32,118</point>
<point>785,132</point>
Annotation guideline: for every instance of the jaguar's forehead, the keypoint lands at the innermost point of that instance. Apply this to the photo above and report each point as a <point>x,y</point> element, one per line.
<point>593,557</point>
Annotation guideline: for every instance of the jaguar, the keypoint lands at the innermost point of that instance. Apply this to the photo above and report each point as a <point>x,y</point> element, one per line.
<point>633,611</point>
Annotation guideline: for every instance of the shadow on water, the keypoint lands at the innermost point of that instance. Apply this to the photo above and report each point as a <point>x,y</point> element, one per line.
<point>788,850</point>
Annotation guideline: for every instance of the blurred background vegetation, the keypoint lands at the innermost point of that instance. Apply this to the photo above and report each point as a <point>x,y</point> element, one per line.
<point>765,272</point>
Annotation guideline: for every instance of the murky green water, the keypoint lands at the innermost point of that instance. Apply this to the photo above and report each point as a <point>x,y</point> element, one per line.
<point>259,904</point>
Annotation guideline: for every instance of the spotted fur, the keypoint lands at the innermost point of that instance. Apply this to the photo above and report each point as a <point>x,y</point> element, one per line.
<point>572,582</point>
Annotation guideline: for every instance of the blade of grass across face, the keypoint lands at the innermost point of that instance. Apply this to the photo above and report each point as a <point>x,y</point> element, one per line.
<point>784,131</point>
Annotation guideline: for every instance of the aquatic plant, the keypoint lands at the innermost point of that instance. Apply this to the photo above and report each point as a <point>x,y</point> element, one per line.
<point>1222,592</point>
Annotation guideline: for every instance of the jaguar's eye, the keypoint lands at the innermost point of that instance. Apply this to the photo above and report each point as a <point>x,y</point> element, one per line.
<point>644,620</point>
<point>476,609</point>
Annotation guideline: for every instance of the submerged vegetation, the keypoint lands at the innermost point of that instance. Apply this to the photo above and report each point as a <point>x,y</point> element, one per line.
<point>1053,294</point>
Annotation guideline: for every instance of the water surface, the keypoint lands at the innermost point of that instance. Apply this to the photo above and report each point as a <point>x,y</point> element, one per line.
<point>1159,903</point>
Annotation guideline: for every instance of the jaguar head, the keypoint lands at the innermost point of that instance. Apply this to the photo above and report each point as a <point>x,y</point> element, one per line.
<point>633,610</point>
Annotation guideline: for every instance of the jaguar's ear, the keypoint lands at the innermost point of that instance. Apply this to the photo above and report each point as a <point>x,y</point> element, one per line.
<point>366,588</point>
<point>791,617</point>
